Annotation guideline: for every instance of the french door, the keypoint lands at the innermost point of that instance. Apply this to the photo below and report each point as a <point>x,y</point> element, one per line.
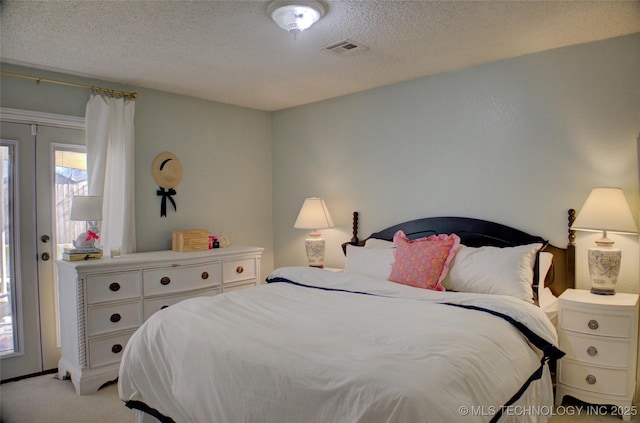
<point>43,167</point>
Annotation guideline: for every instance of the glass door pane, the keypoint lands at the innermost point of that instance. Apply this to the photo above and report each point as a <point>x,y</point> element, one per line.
<point>8,300</point>
<point>70,179</point>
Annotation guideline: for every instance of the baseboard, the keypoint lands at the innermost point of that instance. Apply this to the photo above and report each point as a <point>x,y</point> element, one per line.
<point>15,379</point>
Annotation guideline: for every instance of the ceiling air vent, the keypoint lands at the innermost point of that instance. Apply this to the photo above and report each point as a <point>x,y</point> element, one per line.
<point>345,47</point>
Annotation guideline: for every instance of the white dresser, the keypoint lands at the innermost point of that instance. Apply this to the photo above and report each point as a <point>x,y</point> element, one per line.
<point>102,302</point>
<point>599,334</point>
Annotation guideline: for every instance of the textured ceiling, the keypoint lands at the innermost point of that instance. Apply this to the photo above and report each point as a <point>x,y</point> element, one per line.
<point>232,52</point>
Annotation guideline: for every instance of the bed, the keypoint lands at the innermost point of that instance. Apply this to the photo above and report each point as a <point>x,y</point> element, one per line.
<point>367,344</point>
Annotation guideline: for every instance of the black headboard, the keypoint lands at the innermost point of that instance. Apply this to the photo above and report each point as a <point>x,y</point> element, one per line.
<point>472,232</point>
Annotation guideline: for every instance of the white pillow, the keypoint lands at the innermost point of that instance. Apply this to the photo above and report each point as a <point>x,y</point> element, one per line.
<point>545,296</point>
<point>378,243</point>
<point>544,264</point>
<point>374,262</point>
<point>494,270</point>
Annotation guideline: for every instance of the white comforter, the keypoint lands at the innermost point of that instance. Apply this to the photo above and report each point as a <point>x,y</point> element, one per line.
<point>284,353</point>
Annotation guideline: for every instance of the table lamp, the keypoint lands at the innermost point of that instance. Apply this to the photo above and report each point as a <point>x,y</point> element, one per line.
<point>606,209</point>
<point>314,215</point>
<point>87,208</point>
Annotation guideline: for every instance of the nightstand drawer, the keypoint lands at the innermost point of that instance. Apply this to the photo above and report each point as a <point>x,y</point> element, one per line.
<point>113,286</point>
<point>616,325</point>
<point>595,379</point>
<point>180,278</point>
<point>107,350</point>
<point>114,318</point>
<point>596,350</point>
<point>156,304</point>
<point>238,270</point>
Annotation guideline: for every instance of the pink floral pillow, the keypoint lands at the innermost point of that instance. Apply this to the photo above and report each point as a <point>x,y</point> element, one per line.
<point>423,262</point>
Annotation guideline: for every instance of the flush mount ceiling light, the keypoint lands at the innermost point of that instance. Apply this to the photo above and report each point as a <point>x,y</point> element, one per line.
<point>295,16</point>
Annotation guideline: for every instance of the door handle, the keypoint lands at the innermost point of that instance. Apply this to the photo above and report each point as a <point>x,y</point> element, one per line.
<point>46,256</point>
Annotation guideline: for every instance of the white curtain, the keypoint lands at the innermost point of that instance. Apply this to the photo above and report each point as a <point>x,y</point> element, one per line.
<point>111,168</point>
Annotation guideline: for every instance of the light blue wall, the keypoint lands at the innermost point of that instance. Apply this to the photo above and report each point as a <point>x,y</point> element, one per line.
<point>518,141</point>
<point>225,152</point>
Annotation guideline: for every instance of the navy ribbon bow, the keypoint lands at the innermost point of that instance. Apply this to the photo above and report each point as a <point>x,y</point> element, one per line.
<point>166,194</point>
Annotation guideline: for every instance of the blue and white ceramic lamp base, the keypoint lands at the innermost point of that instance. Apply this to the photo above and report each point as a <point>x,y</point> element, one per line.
<point>604,267</point>
<point>315,246</point>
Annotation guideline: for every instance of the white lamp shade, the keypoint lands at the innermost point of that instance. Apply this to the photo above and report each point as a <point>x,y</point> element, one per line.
<point>314,215</point>
<point>606,209</point>
<point>86,208</point>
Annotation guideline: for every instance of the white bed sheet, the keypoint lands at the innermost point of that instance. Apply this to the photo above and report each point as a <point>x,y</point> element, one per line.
<point>285,353</point>
<point>549,304</point>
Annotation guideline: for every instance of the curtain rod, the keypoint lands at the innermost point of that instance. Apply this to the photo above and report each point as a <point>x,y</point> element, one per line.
<point>132,95</point>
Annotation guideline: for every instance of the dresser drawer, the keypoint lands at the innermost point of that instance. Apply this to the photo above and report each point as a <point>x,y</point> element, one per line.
<point>104,287</point>
<point>238,286</point>
<point>595,379</point>
<point>238,270</point>
<point>617,325</point>
<point>113,318</point>
<point>156,304</point>
<point>596,350</point>
<point>108,350</point>
<point>180,278</point>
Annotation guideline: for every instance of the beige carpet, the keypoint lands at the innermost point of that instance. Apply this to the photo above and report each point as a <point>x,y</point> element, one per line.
<point>47,399</point>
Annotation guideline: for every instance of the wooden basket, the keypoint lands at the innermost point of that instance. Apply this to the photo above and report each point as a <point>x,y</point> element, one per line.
<point>191,240</point>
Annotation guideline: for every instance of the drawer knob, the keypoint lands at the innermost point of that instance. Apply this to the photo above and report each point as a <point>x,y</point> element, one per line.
<point>205,275</point>
<point>593,324</point>
<point>165,280</point>
<point>115,286</point>
<point>116,348</point>
<point>239,269</point>
<point>591,379</point>
<point>115,317</point>
<point>592,351</point>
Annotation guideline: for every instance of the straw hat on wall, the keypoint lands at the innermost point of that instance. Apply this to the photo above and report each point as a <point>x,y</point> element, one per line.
<point>166,170</point>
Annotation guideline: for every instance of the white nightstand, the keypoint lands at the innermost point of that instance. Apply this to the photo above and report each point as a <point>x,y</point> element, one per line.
<point>599,334</point>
